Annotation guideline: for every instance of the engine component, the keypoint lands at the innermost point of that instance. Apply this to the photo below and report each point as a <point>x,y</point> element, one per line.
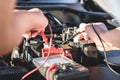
<point>54,51</point>
<point>66,69</point>
<point>12,73</point>
<point>67,33</point>
<point>89,50</point>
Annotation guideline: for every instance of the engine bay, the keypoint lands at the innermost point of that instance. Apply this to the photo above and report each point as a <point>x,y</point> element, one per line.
<point>64,18</point>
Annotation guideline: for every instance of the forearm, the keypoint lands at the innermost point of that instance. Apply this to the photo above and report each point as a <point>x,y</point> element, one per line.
<point>6,15</point>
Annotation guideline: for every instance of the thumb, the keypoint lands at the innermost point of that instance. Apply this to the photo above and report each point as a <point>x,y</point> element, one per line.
<point>78,37</point>
<point>34,10</point>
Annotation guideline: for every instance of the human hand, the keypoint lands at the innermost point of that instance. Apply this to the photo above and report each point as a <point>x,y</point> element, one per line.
<point>89,34</point>
<point>30,22</point>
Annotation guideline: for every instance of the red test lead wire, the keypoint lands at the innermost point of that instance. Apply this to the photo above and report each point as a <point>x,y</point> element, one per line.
<point>38,67</point>
<point>52,67</point>
<point>44,37</point>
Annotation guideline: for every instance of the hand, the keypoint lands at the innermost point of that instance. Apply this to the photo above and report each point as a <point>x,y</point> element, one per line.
<point>30,21</point>
<point>89,34</point>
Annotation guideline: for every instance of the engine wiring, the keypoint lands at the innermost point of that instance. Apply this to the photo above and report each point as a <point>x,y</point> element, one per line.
<point>71,37</point>
<point>35,51</point>
<point>105,53</point>
<point>51,17</point>
<point>52,67</point>
<point>38,67</point>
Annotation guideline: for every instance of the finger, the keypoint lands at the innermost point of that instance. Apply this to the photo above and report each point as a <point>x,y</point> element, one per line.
<point>17,10</point>
<point>85,36</point>
<point>100,27</point>
<point>90,41</point>
<point>35,10</point>
<point>34,34</point>
<point>91,33</point>
<point>27,35</point>
<point>78,37</point>
<point>82,27</point>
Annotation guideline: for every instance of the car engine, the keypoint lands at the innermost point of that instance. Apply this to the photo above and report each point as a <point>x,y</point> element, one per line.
<point>64,17</point>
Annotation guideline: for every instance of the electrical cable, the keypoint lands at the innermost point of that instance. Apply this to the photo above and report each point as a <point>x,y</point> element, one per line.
<point>52,67</point>
<point>71,37</point>
<point>49,15</point>
<point>25,50</point>
<point>58,21</point>
<point>38,67</point>
<point>35,51</point>
<point>105,53</point>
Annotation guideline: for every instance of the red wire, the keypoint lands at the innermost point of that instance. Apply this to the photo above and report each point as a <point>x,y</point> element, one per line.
<point>44,37</point>
<point>52,67</point>
<point>38,67</point>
